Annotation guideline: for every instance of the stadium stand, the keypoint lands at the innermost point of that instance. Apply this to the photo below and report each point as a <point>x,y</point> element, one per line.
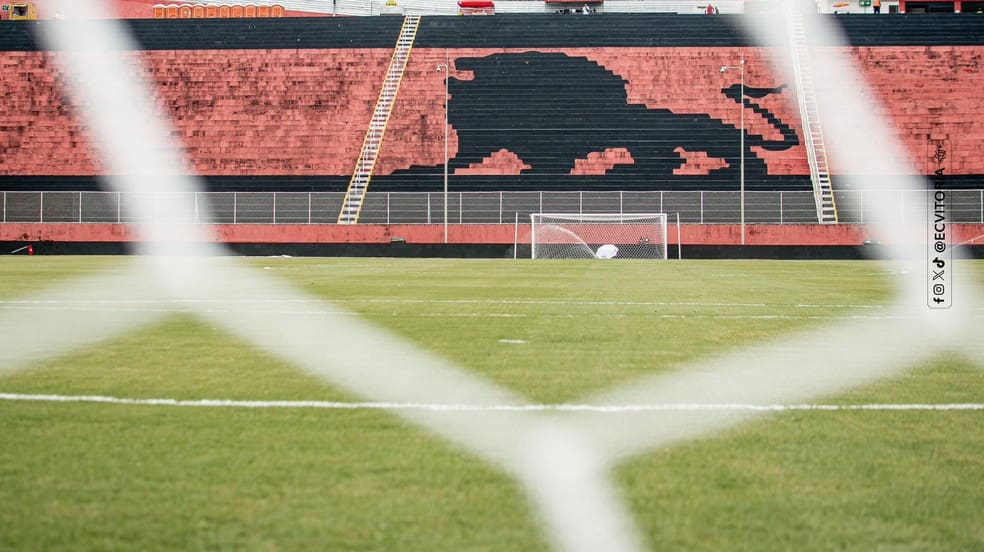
<point>619,102</point>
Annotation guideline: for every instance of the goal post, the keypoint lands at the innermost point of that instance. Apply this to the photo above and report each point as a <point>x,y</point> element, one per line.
<point>598,236</point>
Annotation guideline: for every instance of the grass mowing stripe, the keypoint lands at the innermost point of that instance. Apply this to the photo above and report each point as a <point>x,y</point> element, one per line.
<point>482,408</point>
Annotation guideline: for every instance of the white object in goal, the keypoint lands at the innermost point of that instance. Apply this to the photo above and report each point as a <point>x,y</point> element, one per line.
<point>598,236</point>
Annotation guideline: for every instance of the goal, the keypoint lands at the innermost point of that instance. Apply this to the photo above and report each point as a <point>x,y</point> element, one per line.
<point>598,236</point>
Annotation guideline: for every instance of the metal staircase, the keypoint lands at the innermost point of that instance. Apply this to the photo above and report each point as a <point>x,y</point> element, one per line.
<point>816,151</point>
<point>356,193</point>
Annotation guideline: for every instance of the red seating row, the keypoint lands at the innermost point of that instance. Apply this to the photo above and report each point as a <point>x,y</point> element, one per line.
<point>234,112</point>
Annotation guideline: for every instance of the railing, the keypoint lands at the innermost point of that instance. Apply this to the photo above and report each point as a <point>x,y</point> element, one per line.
<point>795,207</point>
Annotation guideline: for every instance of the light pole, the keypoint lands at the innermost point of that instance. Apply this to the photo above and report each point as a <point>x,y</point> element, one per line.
<point>446,79</point>
<point>741,142</point>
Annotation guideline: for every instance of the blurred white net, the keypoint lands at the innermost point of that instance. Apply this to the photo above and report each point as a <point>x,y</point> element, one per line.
<point>563,459</point>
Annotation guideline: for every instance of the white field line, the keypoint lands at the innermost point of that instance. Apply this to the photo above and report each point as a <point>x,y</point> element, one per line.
<point>601,408</point>
<point>559,302</point>
<point>668,316</point>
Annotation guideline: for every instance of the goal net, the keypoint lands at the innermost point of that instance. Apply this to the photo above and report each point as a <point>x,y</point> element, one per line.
<point>598,236</point>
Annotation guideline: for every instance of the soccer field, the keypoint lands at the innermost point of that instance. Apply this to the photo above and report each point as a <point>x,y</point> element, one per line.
<point>339,473</point>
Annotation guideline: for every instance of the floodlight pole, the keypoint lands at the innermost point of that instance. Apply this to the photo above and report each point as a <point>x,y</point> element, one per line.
<point>447,77</point>
<point>741,143</point>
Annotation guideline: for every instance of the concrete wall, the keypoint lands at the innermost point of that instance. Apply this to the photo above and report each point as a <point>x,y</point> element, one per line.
<point>475,234</point>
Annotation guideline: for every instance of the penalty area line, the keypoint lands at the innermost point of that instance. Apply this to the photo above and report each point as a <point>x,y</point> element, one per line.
<point>601,408</point>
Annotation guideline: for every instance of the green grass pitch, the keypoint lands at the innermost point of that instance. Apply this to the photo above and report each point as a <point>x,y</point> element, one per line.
<point>106,476</point>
